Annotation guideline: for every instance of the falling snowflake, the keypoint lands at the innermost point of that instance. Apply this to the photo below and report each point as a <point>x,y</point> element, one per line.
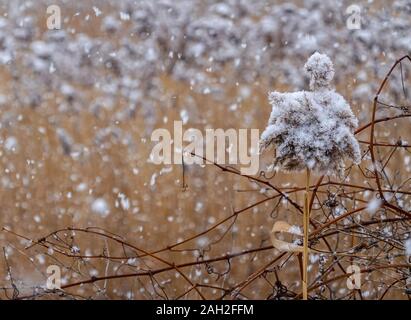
<point>100,206</point>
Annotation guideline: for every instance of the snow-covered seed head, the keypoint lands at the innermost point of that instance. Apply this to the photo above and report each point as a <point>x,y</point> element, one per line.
<point>321,70</point>
<point>312,129</point>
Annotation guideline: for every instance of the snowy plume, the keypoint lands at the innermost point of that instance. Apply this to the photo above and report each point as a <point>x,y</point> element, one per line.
<point>312,129</point>
<point>321,71</point>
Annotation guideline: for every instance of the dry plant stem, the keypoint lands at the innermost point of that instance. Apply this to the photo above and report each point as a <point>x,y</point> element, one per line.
<point>373,121</point>
<point>306,219</point>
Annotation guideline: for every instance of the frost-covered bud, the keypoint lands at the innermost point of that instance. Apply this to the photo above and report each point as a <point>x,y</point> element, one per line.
<point>321,71</point>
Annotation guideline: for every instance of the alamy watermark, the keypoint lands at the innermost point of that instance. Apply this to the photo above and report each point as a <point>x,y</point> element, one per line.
<point>219,146</point>
<point>353,21</point>
<point>54,18</point>
<point>54,280</point>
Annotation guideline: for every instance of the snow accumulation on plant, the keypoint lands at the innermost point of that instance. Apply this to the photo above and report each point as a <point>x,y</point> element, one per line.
<point>312,129</point>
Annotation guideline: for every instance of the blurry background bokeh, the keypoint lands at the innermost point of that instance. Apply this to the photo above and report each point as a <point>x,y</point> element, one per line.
<point>78,106</point>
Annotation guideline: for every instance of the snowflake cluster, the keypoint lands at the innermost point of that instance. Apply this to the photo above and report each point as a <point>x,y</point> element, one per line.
<point>312,129</point>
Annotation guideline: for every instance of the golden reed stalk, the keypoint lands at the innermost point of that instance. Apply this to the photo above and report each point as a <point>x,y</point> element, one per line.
<point>306,222</point>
